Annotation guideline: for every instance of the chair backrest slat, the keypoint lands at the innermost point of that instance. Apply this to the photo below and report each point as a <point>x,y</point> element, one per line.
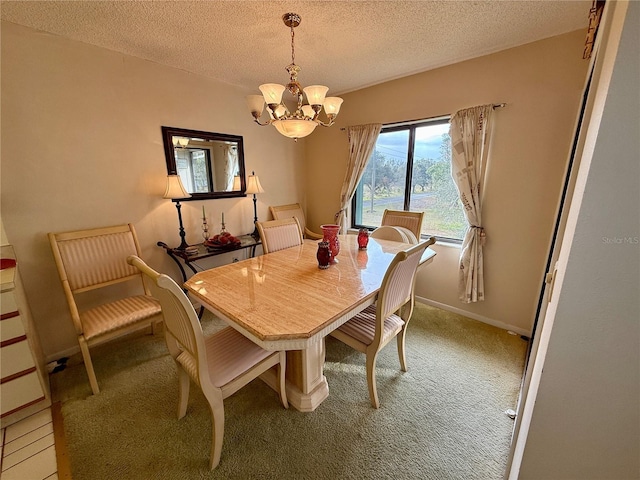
<point>180,318</point>
<point>388,232</point>
<point>400,218</point>
<point>399,280</point>
<point>280,234</point>
<point>399,285</point>
<point>95,258</point>
<point>287,211</point>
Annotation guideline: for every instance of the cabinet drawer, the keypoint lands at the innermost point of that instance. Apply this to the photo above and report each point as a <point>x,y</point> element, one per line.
<point>20,391</point>
<point>11,328</point>
<point>15,358</point>
<point>8,302</point>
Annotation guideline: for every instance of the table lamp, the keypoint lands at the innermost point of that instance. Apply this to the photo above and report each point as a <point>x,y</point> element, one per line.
<point>253,186</point>
<point>175,191</point>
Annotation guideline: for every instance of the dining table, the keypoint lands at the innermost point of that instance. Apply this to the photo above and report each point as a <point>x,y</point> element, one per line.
<point>284,301</point>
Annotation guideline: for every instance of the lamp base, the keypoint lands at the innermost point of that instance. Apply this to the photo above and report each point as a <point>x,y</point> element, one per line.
<point>255,233</point>
<point>182,246</point>
<point>183,242</point>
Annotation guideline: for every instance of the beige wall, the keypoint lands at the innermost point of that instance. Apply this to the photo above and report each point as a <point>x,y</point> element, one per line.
<point>542,84</point>
<point>82,147</point>
<point>582,405</point>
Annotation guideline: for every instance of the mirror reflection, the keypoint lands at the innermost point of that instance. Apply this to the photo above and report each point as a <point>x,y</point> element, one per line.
<point>210,165</point>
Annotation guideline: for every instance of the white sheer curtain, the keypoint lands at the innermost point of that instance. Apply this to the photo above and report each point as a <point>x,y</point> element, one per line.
<point>230,165</point>
<point>470,134</point>
<point>362,140</point>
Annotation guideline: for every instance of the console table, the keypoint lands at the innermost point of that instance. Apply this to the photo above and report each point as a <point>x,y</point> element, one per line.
<point>180,256</point>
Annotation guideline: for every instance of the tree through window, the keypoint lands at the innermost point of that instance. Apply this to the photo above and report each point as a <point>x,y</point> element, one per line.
<point>410,169</point>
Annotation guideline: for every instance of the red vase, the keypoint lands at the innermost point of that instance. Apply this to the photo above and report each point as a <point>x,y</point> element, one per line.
<point>330,235</point>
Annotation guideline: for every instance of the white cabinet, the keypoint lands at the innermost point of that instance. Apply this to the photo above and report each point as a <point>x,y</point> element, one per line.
<point>24,383</point>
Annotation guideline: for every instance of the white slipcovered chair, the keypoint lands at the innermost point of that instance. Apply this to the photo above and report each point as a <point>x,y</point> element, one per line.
<point>220,364</point>
<point>93,259</point>
<point>387,232</point>
<point>280,212</point>
<point>400,218</point>
<point>373,328</point>
<point>279,234</point>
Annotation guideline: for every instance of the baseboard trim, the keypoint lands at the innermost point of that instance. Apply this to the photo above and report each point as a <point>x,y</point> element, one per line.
<point>65,353</point>
<point>474,316</point>
<point>520,331</point>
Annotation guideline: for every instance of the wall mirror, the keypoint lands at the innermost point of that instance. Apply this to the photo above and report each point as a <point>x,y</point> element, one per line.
<point>210,165</point>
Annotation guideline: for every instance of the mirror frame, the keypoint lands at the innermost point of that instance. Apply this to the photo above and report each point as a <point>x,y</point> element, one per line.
<point>169,132</point>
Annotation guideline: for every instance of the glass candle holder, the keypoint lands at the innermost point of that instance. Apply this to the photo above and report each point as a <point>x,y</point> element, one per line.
<point>363,238</point>
<point>323,255</point>
<point>205,229</point>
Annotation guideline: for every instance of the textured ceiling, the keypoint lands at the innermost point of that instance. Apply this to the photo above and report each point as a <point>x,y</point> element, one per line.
<point>346,45</point>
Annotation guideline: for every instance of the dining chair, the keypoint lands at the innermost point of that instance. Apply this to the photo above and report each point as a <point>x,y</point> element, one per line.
<point>279,234</point>
<point>93,259</point>
<point>220,364</point>
<point>294,210</point>
<point>374,327</point>
<point>401,218</point>
<point>387,232</point>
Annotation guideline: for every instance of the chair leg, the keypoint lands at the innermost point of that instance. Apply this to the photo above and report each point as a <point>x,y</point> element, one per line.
<point>282,367</point>
<point>371,378</point>
<point>214,397</point>
<point>401,353</point>
<point>183,399</point>
<point>86,357</point>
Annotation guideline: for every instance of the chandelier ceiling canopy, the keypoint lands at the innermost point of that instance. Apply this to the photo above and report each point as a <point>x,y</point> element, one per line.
<point>301,121</point>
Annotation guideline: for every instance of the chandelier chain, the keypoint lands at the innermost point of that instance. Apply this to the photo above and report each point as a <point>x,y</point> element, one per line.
<point>293,52</point>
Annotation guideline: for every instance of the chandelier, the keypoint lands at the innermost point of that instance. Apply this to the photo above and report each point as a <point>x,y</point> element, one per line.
<point>304,119</point>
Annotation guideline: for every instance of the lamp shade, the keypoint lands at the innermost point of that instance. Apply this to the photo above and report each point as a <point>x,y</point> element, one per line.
<point>253,184</point>
<point>180,141</point>
<point>272,92</point>
<point>255,103</point>
<point>295,128</point>
<point>307,111</point>
<point>236,182</point>
<point>332,105</point>
<point>315,94</point>
<point>175,189</point>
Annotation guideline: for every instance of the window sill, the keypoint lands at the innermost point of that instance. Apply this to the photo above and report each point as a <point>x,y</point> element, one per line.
<point>439,242</point>
<point>448,244</point>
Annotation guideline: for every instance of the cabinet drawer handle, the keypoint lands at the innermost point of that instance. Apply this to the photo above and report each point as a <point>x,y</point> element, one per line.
<point>6,316</point>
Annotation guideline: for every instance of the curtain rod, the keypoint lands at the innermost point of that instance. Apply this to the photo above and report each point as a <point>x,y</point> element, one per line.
<point>495,105</point>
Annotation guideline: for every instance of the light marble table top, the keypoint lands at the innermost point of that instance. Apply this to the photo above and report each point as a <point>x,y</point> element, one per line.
<point>283,301</point>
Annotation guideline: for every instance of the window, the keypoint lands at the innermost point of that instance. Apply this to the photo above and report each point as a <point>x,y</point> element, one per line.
<point>410,169</point>
<point>193,167</point>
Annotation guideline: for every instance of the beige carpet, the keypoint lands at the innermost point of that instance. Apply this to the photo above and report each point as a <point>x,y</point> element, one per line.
<point>443,419</point>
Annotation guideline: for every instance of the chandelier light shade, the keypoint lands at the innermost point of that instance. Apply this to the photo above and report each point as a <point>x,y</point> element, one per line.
<point>304,119</point>
<point>181,142</point>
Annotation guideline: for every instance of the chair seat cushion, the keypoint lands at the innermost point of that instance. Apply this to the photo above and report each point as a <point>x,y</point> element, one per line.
<point>362,327</point>
<point>119,314</point>
<point>230,354</point>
